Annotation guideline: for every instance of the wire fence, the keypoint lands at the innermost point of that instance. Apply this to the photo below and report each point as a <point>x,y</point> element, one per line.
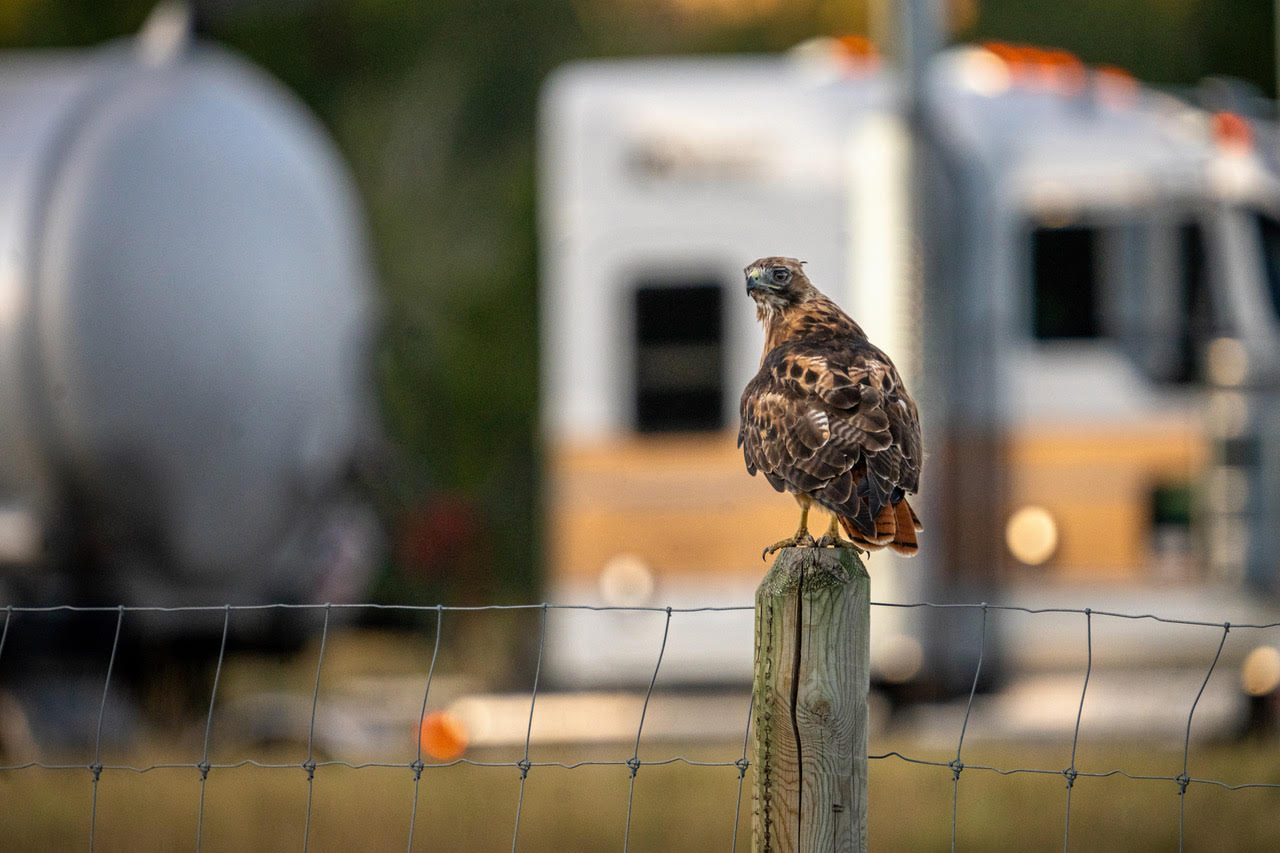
<point>738,764</point>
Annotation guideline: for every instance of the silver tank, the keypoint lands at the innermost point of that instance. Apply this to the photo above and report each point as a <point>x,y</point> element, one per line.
<point>186,314</point>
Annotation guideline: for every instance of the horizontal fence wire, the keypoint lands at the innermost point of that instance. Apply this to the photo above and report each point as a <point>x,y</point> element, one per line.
<point>472,608</point>
<point>416,766</point>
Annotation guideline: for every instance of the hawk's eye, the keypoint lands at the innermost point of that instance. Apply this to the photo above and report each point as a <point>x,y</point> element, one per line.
<point>781,275</point>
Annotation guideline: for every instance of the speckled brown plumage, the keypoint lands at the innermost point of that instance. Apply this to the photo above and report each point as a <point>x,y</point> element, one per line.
<point>827,418</point>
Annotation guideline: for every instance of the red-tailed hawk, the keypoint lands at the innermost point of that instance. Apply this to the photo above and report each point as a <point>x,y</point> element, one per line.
<point>827,417</point>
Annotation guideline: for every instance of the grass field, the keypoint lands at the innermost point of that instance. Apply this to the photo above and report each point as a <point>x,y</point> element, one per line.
<point>676,807</point>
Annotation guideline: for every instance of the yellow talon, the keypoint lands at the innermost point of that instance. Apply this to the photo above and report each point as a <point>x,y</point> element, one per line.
<point>800,539</point>
<point>832,538</point>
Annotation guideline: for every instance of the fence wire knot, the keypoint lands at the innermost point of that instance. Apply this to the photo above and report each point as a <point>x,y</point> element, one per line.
<point>416,766</point>
<point>634,764</point>
<point>204,767</point>
<point>310,766</point>
<point>524,764</point>
<point>1071,775</point>
<point>956,766</point>
<point>742,764</point>
<point>96,769</point>
<point>1183,781</point>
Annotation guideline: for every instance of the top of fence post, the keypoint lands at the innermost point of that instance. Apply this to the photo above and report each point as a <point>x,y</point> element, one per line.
<point>812,676</point>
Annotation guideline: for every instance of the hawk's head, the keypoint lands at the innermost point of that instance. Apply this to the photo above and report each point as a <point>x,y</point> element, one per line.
<point>776,283</point>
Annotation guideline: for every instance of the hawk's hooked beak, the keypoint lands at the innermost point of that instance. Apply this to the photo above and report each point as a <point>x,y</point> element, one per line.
<point>756,281</point>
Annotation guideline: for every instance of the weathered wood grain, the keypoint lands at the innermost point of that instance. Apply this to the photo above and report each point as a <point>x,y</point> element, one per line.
<point>812,675</point>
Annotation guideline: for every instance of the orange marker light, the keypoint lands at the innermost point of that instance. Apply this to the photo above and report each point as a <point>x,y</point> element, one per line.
<point>860,51</point>
<point>1066,72</point>
<point>1039,69</point>
<point>1015,58</point>
<point>1115,86</point>
<point>1232,132</point>
<point>1007,52</point>
<point>443,736</point>
<point>858,45</point>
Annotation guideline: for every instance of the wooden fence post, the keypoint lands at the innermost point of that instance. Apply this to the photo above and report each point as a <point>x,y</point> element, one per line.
<point>812,676</point>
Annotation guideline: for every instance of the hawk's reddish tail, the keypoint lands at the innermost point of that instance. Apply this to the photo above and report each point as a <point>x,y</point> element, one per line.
<point>896,528</point>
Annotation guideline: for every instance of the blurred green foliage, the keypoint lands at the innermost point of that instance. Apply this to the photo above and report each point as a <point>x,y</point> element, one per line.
<point>434,105</point>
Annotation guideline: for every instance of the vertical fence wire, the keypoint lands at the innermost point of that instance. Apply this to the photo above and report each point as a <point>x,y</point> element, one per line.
<point>96,767</point>
<point>1071,772</point>
<point>634,762</point>
<point>957,765</point>
<point>203,766</point>
<point>742,764</point>
<point>310,764</point>
<point>524,764</point>
<point>4,635</point>
<point>417,764</point>
<point>1183,779</point>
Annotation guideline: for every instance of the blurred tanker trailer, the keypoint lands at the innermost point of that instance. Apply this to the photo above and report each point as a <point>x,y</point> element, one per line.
<point>186,312</point>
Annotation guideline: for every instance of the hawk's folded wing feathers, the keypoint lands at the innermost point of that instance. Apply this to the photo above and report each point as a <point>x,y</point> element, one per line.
<point>831,419</point>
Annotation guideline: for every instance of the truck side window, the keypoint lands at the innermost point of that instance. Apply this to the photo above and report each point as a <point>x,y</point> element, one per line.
<point>1197,324</point>
<point>1269,231</point>
<point>679,356</point>
<point>1064,273</point>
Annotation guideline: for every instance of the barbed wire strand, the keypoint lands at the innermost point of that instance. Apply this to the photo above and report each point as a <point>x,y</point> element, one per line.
<point>1183,778</point>
<point>401,765</point>
<point>957,765</point>
<point>417,765</point>
<point>1094,774</point>
<point>405,608</point>
<point>1070,772</point>
<point>310,764</point>
<point>742,765</point>
<point>96,766</point>
<point>208,727</point>
<point>1036,611</point>
<point>525,764</point>
<point>634,762</point>
<point>460,608</point>
<point>574,765</point>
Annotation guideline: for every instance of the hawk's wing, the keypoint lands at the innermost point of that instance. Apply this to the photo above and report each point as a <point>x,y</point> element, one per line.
<point>831,419</point>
